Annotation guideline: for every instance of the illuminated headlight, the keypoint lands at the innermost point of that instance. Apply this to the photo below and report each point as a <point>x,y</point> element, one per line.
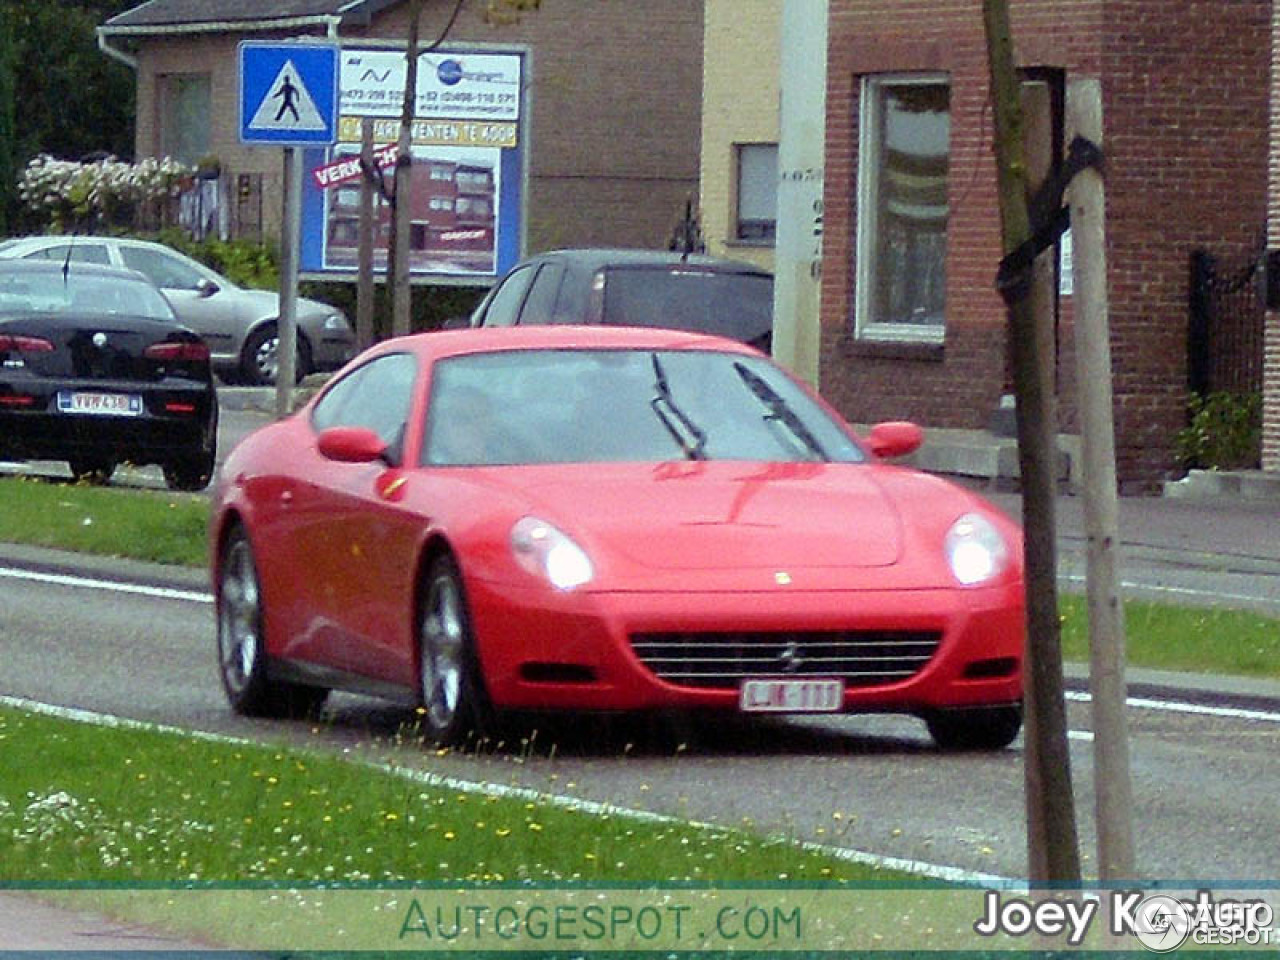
<point>975,549</point>
<point>547,552</point>
<point>336,323</point>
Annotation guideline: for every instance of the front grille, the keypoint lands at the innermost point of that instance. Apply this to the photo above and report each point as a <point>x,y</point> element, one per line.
<point>862,658</point>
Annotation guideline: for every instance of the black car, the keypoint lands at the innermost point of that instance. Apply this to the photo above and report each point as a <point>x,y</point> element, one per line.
<point>636,288</point>
<point>96,370</point>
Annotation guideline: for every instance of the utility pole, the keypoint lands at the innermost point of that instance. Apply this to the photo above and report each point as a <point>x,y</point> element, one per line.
<point>364,278</point>
<point>1052,842</point>
<point>398,273</point>
<point>287,325</point>
<point>1113,790</point>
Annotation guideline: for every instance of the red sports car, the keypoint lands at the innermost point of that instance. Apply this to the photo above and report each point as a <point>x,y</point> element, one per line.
<point>605,519</point>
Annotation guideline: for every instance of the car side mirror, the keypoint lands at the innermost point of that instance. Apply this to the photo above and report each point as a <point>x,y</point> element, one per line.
<point>351,445</point>
<point>895,438</point>
<point>206,287</point>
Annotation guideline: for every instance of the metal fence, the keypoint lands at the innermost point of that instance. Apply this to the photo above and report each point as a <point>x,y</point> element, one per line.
<point>1224,336</point>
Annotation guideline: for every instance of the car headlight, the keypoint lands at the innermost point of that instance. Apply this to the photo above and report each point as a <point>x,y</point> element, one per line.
<point>548,552</point>
<point>336,323</point>
<point>975,549</point>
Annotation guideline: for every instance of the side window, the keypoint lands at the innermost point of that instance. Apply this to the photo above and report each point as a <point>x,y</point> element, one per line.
<point>376,395</point>
<point>539,306</point>
<point>80,253</point>
<point>506,301</point>
<point>165,271</point>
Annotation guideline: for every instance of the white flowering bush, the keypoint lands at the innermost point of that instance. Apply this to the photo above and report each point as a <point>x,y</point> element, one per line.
<point>107,191</point>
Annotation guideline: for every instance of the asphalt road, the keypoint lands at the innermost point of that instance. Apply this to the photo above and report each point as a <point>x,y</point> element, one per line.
<point>1204,785</point>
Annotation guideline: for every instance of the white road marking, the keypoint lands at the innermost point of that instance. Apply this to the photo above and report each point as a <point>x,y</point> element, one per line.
<point>1175,706</point>
<point>1076,580</point>
<point>63,580</point>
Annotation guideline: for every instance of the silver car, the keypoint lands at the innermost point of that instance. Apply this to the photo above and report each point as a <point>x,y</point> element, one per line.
<point>238,324</point>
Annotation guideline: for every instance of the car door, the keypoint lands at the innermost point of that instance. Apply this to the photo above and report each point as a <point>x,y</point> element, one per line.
<point>203,303</point>
<point>357,543</point>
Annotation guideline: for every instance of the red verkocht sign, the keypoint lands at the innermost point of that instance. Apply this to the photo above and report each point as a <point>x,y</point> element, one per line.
<point>347,169</point>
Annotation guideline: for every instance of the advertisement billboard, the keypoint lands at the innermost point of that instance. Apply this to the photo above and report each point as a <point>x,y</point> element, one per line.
<point>466,205</point>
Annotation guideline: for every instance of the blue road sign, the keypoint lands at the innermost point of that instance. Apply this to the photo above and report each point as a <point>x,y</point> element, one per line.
<point>288,93</point>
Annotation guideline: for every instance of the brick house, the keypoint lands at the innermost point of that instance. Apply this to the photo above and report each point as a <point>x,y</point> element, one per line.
<point>1271,353</point>
<point>612,89</point>
<point>911,324</point>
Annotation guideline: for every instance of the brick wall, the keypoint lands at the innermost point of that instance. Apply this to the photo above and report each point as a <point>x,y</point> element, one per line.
<point>1184,88</point>
<point>614,91</point>
<point>1271,335</point>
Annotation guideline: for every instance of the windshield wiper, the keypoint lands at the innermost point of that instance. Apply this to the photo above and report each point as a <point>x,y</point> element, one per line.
<point>780,412</point>
<point>665,409</point>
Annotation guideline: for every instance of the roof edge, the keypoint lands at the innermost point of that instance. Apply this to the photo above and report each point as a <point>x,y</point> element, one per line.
<point>219,26</point>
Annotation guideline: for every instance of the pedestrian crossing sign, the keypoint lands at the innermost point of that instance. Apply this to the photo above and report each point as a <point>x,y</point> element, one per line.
<point>288,93</point>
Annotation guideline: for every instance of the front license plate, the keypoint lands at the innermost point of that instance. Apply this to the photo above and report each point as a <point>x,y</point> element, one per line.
<point>791,696</point>
<point>101,404</point>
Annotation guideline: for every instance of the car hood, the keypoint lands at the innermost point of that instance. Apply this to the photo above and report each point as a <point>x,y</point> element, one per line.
<point>710,515</point>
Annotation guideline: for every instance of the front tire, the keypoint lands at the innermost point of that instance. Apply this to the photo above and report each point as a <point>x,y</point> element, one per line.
<point>976,728</point>
<point>242,652</point>
<point>451,688</point>
<point>260,358</point>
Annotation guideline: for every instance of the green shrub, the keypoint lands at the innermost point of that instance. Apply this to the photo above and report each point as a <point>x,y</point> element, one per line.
<point>1224,433</point>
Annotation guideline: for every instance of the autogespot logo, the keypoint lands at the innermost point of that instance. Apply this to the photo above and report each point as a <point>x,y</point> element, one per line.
<point>450,72</point>
<point>1162,923</point>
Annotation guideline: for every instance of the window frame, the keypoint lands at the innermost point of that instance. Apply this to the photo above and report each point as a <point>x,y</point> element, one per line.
<point>865,327</point>
<point>769,237</point>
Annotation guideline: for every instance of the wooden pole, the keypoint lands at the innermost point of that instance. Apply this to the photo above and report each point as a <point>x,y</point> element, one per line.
<point>1052,843</point>
<point>401,291</point>
<point>287,324</point>
<point>1113,791</point>
<point>365,280</point>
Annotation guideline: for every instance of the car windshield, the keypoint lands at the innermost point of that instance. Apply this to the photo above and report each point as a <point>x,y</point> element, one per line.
<point>571,406</point>
<point>734,305</point>
<point>29,291</point>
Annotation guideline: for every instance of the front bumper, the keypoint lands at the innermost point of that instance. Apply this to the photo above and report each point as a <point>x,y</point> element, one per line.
<point>574,651</point>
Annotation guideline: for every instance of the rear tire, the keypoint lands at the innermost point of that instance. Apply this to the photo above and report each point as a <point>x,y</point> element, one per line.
<point>189,474</point>
<point>242,652</point>
<point>192,472</point>
<point>451,690</point>
<point>977,728</point>
<point>96,471</point>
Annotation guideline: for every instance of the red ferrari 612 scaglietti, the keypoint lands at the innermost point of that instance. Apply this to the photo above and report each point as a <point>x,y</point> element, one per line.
<point>606,519</point>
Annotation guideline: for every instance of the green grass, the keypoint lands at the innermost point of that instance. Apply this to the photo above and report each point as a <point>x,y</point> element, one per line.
<point>1191,639</point>
<point>86,804</point>
<point>141,524</point>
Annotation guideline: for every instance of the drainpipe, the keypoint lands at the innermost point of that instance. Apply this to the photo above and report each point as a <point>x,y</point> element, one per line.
<point>116,53</point>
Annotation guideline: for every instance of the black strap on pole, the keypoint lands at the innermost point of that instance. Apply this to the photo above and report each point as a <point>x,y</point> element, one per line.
<point>1049,220</point>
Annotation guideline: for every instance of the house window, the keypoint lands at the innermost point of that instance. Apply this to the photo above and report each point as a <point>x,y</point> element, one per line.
<point>757,219</point>
<point>904,133</point>
<point>186,100</point>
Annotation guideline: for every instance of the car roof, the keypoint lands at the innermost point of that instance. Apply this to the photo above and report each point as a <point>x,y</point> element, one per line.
<point>74,266</point>
<point>38,240</point>
<point>594,258</point>
<point>448,343</point>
